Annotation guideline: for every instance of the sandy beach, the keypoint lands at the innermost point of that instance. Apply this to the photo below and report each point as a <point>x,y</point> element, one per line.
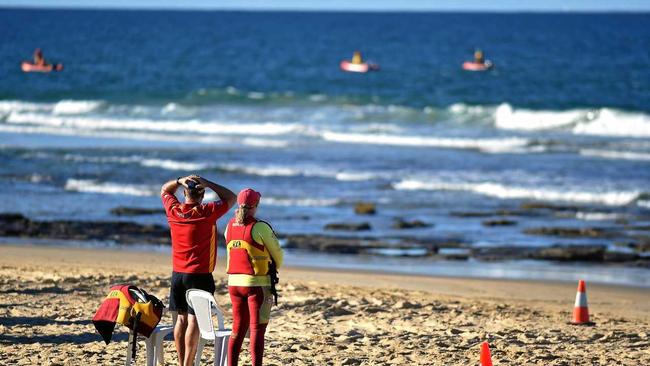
<point>49,295</point>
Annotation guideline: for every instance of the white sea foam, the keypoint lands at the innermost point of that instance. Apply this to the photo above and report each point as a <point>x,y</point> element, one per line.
<point>137,159</point>
<point>265,142</point>
<point>506,117</point>
<point>602,122</point>
<point>107,123</point>
<point>598,216</point>
<point>8,106</point>
<point>355,176</point>
<point>612,154</point>
<point>103,159</point>
<point>92,186</point>
<point>173,164</point>
<point>610,122</point>
<point>76,106</point>
<point>643,203</point>
<point>266,171</point>
<point>610,198</point>
<point>255,95</point>
<point>305,202</point>
<point>495,145</point>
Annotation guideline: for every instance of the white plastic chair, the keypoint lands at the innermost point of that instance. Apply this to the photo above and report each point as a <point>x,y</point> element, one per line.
<point>204,306</point>
<point>155,351</point>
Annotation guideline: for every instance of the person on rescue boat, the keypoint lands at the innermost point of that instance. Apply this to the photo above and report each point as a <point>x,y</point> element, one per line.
<point>479,57</point>
<point>356,58</point>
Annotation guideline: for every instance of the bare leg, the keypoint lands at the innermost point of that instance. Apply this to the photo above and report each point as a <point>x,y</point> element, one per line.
<point>179,336</point>
<point>191,339</point>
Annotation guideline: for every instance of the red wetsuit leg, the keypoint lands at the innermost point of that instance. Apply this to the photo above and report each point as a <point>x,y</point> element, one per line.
<point>258,307</point>
<point>240,321</point>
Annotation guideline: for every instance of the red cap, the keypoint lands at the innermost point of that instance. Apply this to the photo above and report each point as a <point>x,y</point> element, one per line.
<point>249,197</point>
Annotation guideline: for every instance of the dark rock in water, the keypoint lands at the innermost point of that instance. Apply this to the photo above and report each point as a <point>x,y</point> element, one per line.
<point>344,245</point>
<point>640,244</point>
<point>402,224</point>
<point>365,208</point>
<point>348,226</point>
<point>136,211</point>
<point>502,253</point>
<point>614,257</point>
<point>547,206</point>
<point>569,232</point>
<point>638,227</point>
<point>13,224</point>
<point>502,222</point>
<point>454,256</point>
<point>587,253</point>
<point>470,214</point>
<point>121,232</point>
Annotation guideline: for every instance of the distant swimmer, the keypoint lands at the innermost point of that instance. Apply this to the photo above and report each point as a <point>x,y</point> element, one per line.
<point>356,58</point>
<point>39,64</point>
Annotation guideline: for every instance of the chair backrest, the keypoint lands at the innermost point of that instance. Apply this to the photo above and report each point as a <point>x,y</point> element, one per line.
<point>204,306</point>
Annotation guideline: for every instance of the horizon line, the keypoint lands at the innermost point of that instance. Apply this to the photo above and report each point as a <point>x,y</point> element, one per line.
<point>313,10</point>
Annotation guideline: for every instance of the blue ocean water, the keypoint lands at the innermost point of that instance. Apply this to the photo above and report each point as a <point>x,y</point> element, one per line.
<point>257,99</point>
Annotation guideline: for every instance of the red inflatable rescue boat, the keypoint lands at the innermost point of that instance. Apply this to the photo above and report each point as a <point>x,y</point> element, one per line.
<point>475,66</point>
<point>27,66</point>
<point>362,67</point>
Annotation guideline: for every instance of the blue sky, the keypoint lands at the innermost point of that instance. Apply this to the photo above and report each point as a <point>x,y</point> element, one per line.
<point>423,5</point>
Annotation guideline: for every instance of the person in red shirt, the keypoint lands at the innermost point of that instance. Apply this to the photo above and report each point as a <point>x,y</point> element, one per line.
<point>194,251</point>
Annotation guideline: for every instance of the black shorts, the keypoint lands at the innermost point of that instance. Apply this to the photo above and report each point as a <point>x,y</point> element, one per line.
<point>181,282</point>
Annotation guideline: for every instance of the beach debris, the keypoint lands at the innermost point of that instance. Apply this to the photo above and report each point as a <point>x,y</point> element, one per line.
<point>365,208</point>
<point>486,357</point>
<point>581,309</point>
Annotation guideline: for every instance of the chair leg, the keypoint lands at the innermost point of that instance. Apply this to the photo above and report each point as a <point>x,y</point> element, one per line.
<point>199,351</point>
<point>221,350</point>
<point>159,353</point>
<point>151,350</point>
<point>129,356</point>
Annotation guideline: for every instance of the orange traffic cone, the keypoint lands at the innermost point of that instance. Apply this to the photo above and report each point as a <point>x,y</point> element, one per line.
<point>486,358</point>
<point>581,309</point>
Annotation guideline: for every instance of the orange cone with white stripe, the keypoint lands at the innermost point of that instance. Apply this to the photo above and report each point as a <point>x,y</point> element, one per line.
<point>486,357</point>
<point>581,309</point>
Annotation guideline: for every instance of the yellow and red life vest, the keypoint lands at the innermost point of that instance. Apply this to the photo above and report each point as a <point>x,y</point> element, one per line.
<point>121,307</point>
<point>245,255</point>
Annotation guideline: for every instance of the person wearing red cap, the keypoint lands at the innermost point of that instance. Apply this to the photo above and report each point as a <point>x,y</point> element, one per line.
<point>194,251</point>
<point>253,254</point>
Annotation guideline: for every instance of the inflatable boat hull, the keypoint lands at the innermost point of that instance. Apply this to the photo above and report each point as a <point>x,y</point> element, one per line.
<point>30,67</point>
<point>361,68</point>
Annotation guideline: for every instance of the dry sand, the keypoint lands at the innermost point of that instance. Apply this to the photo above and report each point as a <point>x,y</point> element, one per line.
<point>48,296</point>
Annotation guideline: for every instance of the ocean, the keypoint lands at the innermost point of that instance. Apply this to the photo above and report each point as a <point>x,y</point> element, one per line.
<point>256,99</point>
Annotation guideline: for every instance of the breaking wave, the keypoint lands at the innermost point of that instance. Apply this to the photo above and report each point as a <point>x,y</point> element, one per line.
<point>92,186</point>
<point>612,154</point>
<point>609,198</point>
<point>487,144</point>
<point>600,122</point>
<point>179,126</point>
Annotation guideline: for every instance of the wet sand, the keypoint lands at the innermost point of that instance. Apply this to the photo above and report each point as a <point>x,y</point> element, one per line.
<point>48,296</point>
